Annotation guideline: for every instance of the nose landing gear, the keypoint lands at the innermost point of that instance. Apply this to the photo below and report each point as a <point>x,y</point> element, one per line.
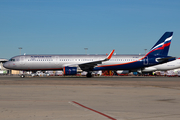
<point>22,76</point>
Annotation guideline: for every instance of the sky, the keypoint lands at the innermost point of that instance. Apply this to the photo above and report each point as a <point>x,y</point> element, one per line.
<point>69,26</point>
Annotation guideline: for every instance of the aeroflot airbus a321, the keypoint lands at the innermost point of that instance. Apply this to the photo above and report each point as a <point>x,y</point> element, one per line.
<point>70,64</point>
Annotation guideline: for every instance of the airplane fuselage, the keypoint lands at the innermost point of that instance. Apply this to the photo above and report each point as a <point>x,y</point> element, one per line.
<point>58,62</point>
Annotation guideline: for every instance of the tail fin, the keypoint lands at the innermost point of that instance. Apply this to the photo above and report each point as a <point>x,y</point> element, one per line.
<point>161,48</point>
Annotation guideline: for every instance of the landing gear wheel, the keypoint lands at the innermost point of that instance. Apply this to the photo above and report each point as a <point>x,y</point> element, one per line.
<point>22,76</point>
<point>89,75</point>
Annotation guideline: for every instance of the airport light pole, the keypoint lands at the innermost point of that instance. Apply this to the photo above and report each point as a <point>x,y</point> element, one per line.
<point>20,49</point>
<point>86,50</point>
<point>145,51</point>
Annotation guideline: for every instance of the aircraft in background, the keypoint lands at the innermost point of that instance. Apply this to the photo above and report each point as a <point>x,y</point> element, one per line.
<point>163,67</point>
<point>174,64</point>
<point>71,64</point>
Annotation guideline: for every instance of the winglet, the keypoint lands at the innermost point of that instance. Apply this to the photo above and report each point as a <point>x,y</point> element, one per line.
<point>110,55</point>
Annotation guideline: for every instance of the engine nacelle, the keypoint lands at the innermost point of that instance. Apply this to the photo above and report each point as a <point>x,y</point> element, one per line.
<point>122,71</point>
<point>70,70</point>
<point>149,69</point>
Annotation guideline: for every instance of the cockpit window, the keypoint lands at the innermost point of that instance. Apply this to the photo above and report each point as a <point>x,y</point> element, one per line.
<point>12,59</point>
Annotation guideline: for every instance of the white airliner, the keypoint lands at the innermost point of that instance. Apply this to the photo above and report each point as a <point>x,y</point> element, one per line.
<point>174,64</point>
<point>163,67</point>
<point>70,64</point>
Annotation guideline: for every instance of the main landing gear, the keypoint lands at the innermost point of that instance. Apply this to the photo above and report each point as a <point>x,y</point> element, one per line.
<point>89,75</point>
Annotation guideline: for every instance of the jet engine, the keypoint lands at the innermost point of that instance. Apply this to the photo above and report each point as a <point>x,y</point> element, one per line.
<point>70,70</point>
<point>149,69</point>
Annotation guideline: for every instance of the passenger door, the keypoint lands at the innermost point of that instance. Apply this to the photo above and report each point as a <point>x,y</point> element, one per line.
<point>22,60</point>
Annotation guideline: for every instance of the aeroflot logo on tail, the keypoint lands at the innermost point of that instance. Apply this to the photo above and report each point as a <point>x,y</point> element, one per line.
<point>161,44</point>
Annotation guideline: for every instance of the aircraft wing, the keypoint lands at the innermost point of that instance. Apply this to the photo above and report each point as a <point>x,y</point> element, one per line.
<point>90,65</point>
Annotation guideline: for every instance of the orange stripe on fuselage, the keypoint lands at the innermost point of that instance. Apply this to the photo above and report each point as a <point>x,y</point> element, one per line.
<point>118,64</point>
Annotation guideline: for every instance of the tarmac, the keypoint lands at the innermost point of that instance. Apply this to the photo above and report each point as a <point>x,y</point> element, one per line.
<point>97,98</point>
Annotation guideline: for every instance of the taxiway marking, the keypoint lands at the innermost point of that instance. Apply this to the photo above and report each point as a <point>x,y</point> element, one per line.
<point>94,110</point>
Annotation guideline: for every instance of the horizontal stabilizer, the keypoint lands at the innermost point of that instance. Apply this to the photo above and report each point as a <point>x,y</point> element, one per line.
<point>162,60</point>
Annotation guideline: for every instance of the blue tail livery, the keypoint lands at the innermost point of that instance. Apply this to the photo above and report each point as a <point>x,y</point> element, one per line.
<point>161,48</point>
<point>157,55</point>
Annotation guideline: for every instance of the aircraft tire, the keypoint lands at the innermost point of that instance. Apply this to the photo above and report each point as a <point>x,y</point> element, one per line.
<point>22,76</point>
<point>89,75</point>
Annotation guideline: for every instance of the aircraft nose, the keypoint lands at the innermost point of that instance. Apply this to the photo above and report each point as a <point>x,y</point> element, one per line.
<point>6,65</point>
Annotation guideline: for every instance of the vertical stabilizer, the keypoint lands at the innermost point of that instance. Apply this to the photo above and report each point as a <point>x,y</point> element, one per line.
<point>161,48</point>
